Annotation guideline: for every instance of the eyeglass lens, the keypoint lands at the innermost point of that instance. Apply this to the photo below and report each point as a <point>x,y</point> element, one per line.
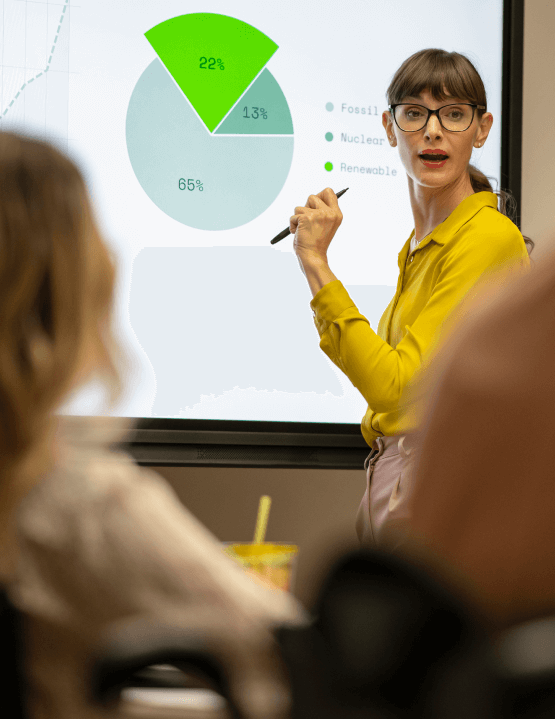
<point>455,118</point>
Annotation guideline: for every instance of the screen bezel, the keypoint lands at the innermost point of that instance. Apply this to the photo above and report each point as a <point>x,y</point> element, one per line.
<point>229,443</point>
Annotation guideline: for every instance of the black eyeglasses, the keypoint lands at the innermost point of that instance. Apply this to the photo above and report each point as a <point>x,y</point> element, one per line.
<point>456,117</point>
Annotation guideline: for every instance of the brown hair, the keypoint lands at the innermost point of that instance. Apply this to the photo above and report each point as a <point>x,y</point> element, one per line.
<point>438,71</point>
<point>57,282</point>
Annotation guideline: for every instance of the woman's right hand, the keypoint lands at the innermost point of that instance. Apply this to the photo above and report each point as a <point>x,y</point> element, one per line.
<point>315,225</point>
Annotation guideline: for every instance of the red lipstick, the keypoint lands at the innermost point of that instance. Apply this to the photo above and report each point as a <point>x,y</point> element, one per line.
<point>430,157</point>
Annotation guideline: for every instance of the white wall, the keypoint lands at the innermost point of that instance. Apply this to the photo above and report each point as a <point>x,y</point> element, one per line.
<point>538,146</point>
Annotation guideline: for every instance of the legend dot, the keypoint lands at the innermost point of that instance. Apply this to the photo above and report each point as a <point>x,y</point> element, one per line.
<point>329,136</point>
<point>328,166</point>
<point>329,106</point>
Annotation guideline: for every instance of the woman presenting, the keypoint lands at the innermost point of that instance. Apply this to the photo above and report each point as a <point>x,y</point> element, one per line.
<point>437,114</point>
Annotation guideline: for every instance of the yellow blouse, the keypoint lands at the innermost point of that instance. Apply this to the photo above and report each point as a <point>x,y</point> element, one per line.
<point>473,241</point>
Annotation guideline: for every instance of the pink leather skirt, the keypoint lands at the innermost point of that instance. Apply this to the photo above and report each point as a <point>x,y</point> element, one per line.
<point>383,508</point>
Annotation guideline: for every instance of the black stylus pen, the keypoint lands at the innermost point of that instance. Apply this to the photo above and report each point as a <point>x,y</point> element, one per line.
<point>287,231</point>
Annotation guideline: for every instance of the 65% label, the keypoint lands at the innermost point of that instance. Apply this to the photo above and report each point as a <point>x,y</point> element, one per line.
<point>190,185</point>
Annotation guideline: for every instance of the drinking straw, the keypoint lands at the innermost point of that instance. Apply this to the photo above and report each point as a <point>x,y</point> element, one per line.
<point>262,518</point>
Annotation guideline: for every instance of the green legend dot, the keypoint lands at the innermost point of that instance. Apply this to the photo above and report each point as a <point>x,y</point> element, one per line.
<point>328,166</point>
<point>329,136</point>
<point>329,106</point>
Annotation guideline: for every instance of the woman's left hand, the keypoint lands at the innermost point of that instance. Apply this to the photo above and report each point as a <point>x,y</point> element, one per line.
<point>315,225</point>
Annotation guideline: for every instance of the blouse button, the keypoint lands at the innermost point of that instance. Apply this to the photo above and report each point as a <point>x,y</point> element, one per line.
<point>411,259</point>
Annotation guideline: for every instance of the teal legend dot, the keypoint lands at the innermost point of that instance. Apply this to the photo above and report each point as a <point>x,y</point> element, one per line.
<point>328,166</point>
<point>329,106</point>
<point>329,136</point>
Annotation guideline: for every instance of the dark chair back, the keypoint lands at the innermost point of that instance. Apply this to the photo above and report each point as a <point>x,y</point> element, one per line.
<point>12,673</point>
<point>138,644</point>
<point>390,642</point>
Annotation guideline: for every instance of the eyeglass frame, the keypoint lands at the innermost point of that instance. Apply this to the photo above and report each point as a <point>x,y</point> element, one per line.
<point>436,113</point>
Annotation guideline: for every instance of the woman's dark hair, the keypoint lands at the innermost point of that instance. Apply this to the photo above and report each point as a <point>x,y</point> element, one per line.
<point>439,71</point>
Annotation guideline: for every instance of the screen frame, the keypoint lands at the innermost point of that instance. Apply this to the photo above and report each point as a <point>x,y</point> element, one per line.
<point>228,443</point>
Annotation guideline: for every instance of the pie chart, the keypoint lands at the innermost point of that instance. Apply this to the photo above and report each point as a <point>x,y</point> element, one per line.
<point>208,129</point>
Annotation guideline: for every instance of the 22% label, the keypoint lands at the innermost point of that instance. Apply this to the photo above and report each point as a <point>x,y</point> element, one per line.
<point>190,185</point>
<point>211,63</point>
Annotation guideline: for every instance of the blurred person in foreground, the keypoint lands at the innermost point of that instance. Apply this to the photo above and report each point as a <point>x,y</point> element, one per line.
<point>88,537</point>
<point>481,506</point>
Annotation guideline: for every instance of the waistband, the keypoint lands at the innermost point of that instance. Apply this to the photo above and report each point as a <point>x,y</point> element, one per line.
<point>388,445</point>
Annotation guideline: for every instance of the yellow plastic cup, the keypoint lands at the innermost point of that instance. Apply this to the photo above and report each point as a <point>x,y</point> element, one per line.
<point>274,562</point>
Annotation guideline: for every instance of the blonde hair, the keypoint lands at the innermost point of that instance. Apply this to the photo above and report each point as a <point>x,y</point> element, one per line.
<point>57,284</point>
<point>437,70</point>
